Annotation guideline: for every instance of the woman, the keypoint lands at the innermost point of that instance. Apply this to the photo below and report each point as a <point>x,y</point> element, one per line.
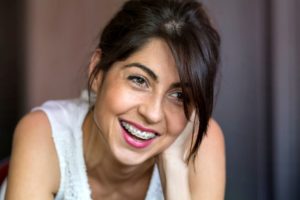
<point>148,133</point>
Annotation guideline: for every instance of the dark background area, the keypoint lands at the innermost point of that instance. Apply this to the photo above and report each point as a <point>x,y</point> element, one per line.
<point>11,70</point>
<point>258,101</point>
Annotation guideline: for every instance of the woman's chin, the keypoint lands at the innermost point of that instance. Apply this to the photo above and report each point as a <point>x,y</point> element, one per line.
<point>131,158</point>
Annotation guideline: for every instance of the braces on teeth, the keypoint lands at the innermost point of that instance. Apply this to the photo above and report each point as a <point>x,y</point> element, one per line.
<point>140,134</point>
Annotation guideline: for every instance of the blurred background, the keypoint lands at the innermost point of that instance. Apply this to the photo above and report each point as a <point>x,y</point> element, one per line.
<point>45,48</point>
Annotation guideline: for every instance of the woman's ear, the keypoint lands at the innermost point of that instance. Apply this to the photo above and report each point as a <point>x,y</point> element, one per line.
<point>95,79</point>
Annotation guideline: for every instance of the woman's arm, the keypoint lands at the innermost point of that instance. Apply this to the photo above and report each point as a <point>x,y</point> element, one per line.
<point>34,171</point>
<point>203,179</point>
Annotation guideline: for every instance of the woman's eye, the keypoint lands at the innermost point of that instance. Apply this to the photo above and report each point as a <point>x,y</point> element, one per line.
<point>179,96</point>
<point>138,80</point>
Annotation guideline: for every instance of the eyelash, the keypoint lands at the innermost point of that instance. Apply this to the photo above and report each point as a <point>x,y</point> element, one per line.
<point>138,80</point>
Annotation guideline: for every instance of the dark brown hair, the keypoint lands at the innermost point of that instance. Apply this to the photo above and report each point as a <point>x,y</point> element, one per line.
<point>194,43</point>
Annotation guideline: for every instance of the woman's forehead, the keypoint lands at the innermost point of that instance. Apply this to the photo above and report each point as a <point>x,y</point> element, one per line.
<point>155,55</point>
<point>155,51</point>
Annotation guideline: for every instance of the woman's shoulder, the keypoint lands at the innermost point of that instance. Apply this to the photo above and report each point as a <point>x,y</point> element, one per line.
<point>212,146</point>
<point>214,134</point>
<point>36,120</point>
<point>34,168</point>
<point>208,170</point>
<point>213,140</point>
<point>34,128</point>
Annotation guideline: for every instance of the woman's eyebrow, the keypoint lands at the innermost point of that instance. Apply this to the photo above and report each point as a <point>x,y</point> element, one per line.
<point>175,85</point>
<point>179,85</point>
<point>144,68</point>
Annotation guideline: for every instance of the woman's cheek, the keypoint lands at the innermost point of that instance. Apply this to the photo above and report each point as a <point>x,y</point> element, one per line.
<point>175,117</point>
<point>176,123</point>
<point>123,99</point>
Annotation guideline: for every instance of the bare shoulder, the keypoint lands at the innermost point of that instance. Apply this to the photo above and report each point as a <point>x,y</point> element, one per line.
<point>214,139</point>
<point>34,170</point>
<point>207,173</point>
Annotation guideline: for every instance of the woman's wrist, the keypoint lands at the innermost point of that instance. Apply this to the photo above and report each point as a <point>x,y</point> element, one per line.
<point>174,177</point>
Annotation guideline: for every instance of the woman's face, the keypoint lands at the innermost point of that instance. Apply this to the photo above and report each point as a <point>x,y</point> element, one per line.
<point>139,109</point>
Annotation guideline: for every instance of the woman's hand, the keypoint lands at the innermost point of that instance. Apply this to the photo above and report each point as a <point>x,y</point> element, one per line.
<point>173,167</point>
<point>202,178</point>
<point>180,148</point>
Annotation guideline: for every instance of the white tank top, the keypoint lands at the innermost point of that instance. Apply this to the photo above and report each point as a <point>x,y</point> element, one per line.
<point>66,118</point>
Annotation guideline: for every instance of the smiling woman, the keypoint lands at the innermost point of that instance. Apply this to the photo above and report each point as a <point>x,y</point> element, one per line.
<point>147,104</point>
<point>152,76</point>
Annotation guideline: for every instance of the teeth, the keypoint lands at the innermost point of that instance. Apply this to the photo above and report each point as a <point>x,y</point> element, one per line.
<point>138,133</point>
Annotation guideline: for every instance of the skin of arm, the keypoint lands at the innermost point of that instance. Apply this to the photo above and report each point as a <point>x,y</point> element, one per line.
<point>203,179</point>
<point>34,170</point>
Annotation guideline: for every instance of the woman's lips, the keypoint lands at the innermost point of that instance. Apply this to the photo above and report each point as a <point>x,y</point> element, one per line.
<point>133,140</point>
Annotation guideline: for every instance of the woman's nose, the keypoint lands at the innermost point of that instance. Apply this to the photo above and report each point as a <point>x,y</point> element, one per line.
<point>151,110</point>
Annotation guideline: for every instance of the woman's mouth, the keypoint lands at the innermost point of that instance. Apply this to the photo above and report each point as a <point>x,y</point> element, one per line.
<point>144,135</point>
<point>136,137</point>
